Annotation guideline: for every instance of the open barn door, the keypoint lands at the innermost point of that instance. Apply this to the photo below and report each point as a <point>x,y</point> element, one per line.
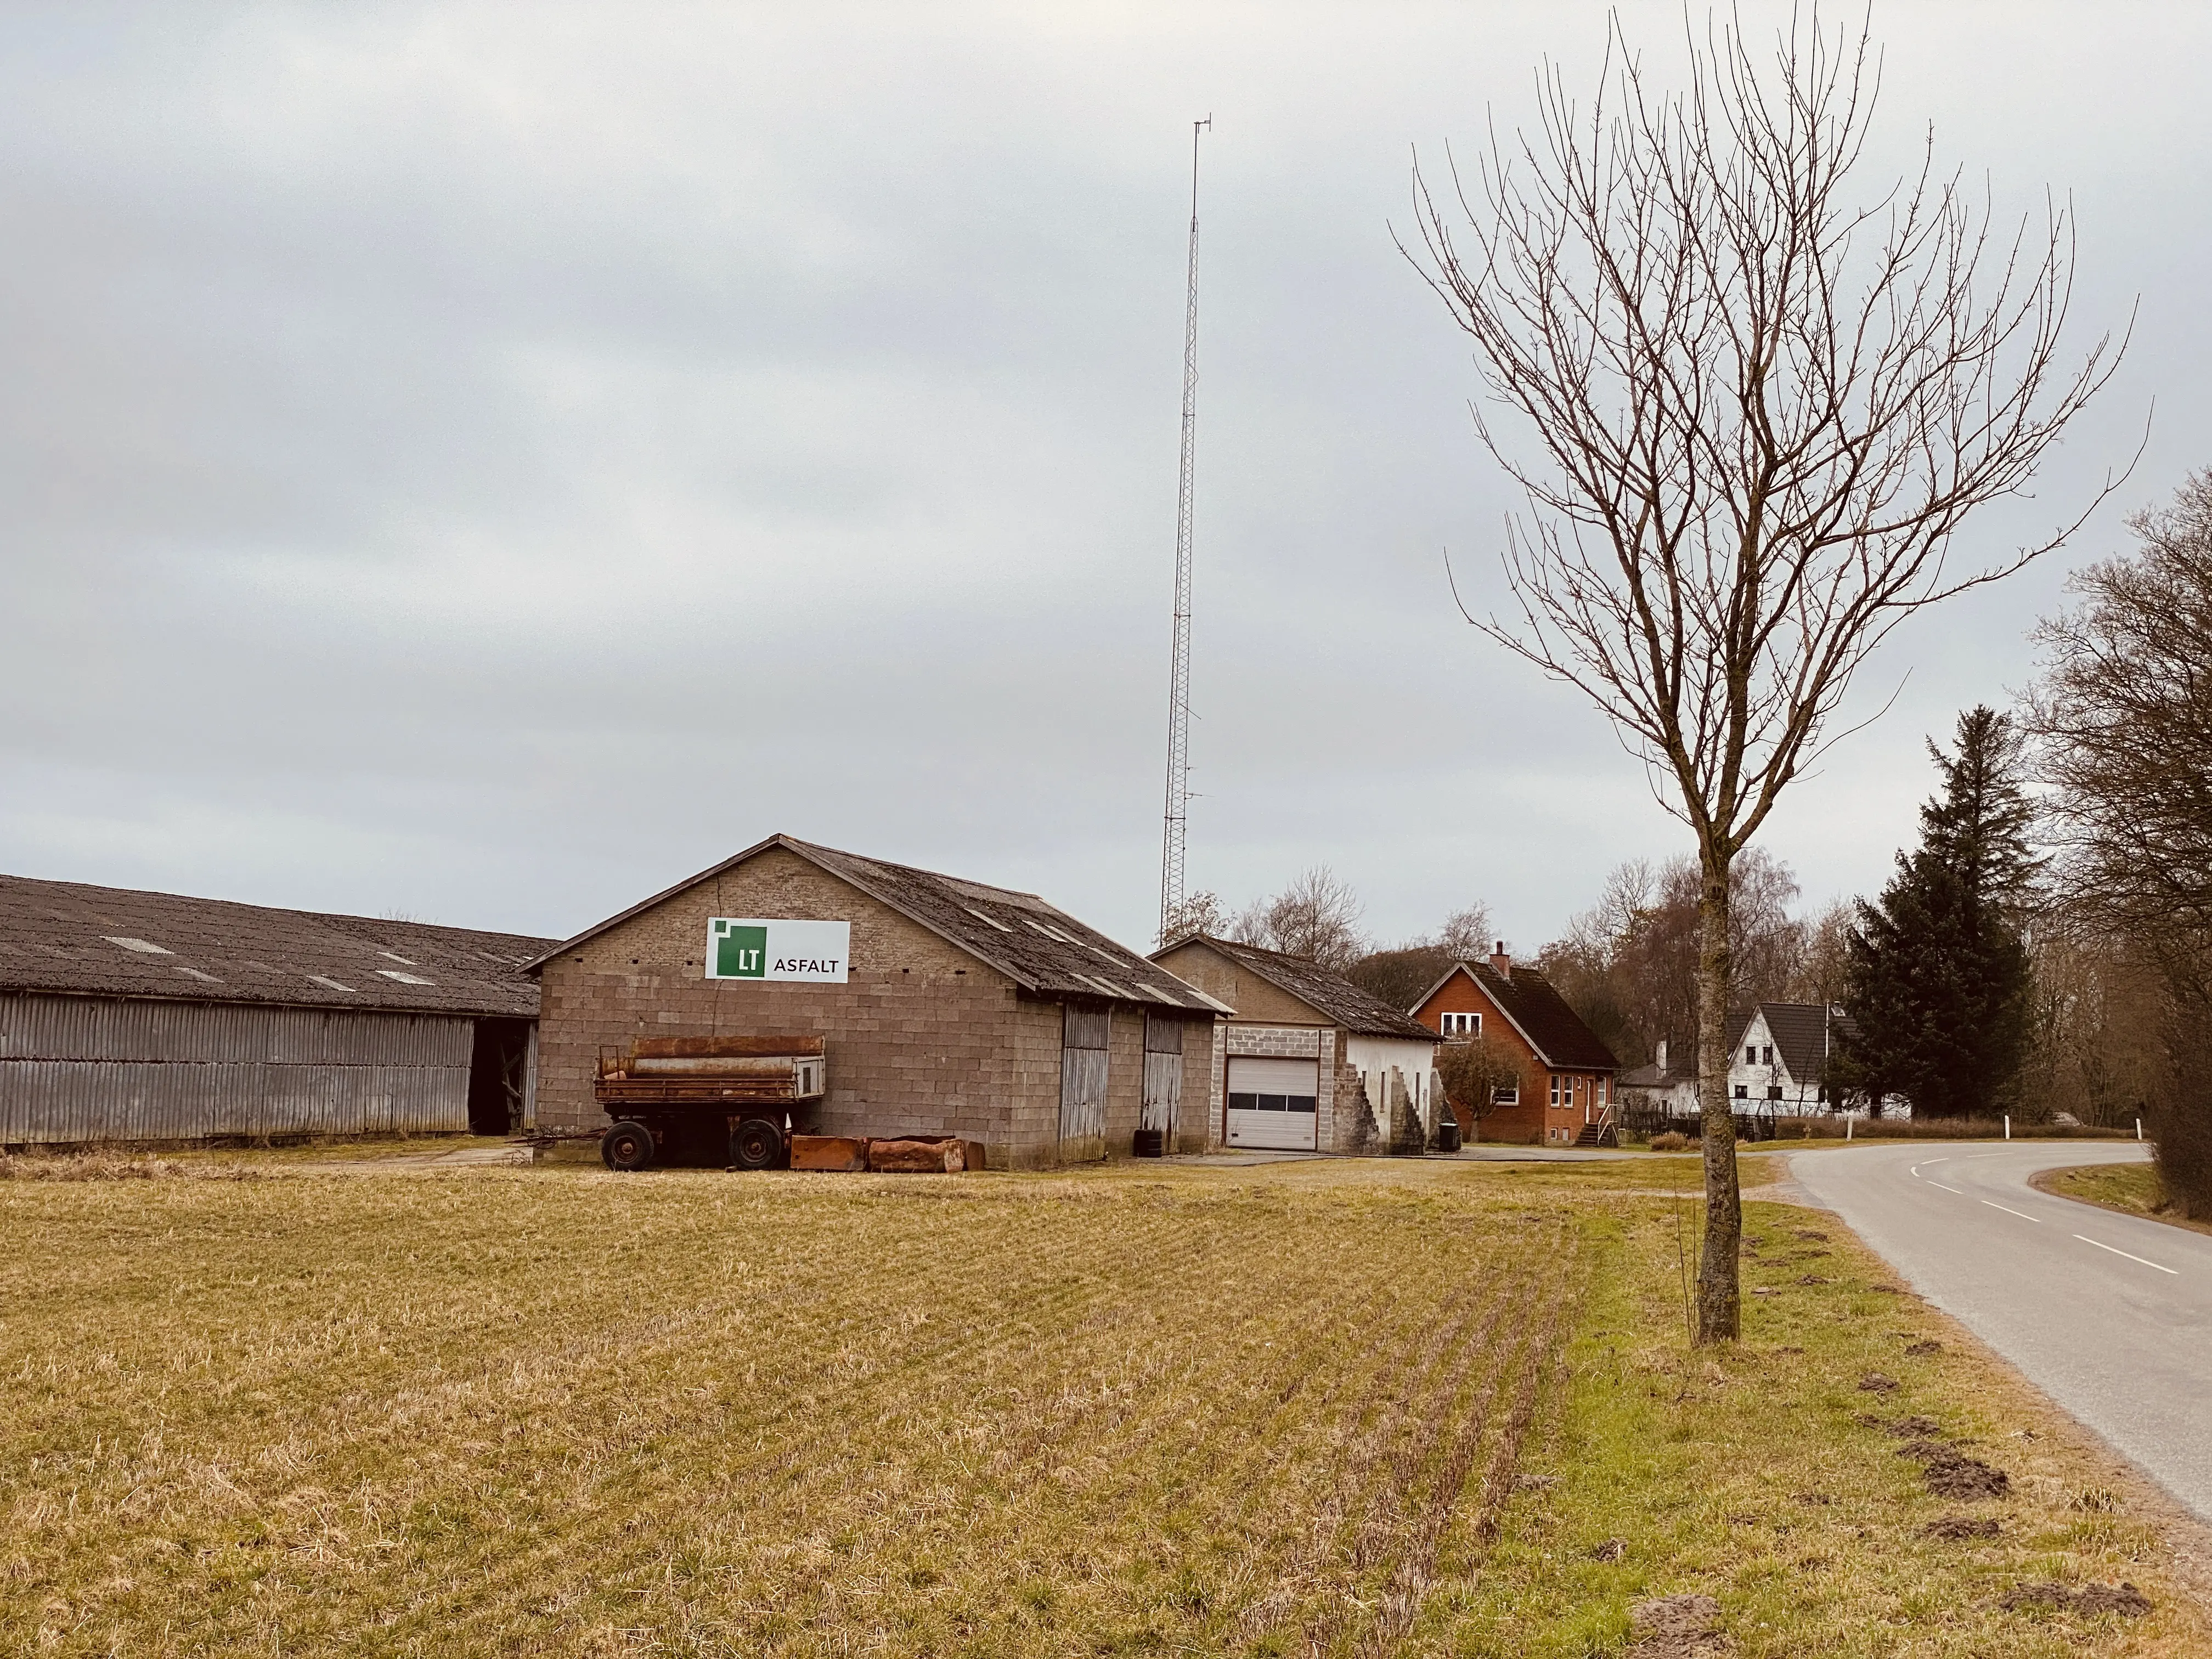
<point>1084,1033</point>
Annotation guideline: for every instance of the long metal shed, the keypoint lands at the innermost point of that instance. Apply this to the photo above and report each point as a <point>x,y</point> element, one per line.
<point>129,1016</point>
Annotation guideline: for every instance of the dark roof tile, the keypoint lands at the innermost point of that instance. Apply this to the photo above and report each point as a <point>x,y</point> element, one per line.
<point>62,936</point>
<point>1326,992</point>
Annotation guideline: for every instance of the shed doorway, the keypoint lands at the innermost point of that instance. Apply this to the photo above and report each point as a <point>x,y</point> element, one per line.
<point>499,1063</point>
<point>1084,1036</point>
<point>1274,1105</point>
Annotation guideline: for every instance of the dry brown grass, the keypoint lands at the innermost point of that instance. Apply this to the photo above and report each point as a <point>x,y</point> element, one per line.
<point>574,1412</point>
<point>1280,1410</point>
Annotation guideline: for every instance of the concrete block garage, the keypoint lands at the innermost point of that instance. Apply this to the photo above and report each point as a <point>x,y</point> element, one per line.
<point>943,1006</point>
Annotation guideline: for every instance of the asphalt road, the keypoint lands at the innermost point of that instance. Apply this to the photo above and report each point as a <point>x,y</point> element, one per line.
<point>2110,1316</point>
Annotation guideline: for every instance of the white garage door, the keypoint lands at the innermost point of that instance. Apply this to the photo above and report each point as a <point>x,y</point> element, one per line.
<point>1273,1103</point>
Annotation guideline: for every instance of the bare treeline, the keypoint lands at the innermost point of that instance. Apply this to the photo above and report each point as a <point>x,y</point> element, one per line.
<point>1629,963</point>
<point>2122,719</point>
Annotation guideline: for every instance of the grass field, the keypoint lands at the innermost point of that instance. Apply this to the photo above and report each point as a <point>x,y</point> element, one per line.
<point>1329,1407</point>
<point>2131,1188</point>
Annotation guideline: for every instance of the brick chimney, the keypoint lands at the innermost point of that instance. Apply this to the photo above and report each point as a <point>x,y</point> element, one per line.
<point>1501,962</point>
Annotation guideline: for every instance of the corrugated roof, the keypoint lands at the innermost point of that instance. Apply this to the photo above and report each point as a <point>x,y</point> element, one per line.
<point>1043,950</point>
<point>62,936</point>
<point>1325,992</point>
<point>1554,1029</point>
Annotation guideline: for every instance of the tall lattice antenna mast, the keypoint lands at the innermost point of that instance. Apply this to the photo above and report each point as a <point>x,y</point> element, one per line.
<point>1171,841</point>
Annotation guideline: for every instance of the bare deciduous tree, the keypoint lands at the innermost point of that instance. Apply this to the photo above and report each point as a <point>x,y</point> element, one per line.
<point>2122,717</point>
<point>1316,917</point>
<point>1761,407</point>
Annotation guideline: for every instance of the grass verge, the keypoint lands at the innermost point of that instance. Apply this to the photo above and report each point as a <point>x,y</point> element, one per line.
<point>2131,1189</point>
<point>1343,1408</point>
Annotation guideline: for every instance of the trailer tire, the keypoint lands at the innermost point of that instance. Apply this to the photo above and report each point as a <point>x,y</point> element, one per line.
<point>756,1143</point>
<point>629,1145</point>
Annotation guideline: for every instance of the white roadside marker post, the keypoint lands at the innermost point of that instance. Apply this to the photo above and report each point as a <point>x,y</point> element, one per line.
<point>1851,1123</point>
<point>2007,1117</point>
<point>2138,1128</point>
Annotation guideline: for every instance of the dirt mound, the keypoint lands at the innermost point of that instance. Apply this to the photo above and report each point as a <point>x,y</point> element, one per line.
<point>1676,1627</point>
<point>1921,1350</point>
<point>1875,1382</point>
<point>1611,1550</point>
<point>2123,1599</point>
<point>1965,1479</point>
<point>1811,1236</point>
<point>1962,1527</point>
<point>1912,1428</point>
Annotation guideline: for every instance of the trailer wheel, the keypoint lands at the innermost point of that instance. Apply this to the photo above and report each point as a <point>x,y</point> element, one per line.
<point>627,1145</point>
<point>756,1143</point>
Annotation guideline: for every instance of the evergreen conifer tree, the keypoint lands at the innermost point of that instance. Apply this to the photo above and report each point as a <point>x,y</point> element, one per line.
<point>1937,984</point>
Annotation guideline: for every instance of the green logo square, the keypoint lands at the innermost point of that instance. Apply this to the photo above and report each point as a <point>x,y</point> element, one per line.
<point>741,952</point>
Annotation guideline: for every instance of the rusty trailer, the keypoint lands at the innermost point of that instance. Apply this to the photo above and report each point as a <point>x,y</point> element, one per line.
<point>731,1101</point>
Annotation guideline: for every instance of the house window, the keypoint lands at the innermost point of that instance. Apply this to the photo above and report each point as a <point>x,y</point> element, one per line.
<point>1506,1094</point>
<point>1751,1054</point>
<point>1605,1092</point>
<point>1742,1093</point>
<point>1463,1025</point>
<point>1774,1091</point>
<point>1556,1080</point>
<point>1767,1055</point>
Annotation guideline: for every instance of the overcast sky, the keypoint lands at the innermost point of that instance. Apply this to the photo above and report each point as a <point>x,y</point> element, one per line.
<point>488,463</point>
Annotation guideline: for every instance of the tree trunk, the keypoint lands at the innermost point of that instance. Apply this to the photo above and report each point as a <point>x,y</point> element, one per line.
<point>1717,1297</point>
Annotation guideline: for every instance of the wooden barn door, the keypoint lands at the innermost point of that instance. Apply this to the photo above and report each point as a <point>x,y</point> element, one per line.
<point>1084,1034</point>
<point>1163,1077</point>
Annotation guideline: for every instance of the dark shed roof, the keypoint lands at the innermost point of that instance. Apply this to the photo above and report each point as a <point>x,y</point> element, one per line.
<point>1044,951</point>
<point>1319,989</point>
<point>1541,1014</point>
<point>61,935</point>
<point>1802,1031</point>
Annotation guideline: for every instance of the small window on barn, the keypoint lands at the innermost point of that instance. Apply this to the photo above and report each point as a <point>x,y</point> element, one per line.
<point>1463,1025</point>
<point>990,919</point>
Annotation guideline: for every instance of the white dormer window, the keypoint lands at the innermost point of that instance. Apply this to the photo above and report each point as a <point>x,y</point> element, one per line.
<point>1462,1025</point>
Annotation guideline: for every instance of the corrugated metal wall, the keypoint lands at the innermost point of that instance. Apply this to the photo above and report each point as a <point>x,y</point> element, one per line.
<point>97,1069</point>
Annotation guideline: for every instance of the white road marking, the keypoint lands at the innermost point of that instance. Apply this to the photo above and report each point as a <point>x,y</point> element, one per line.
<point>2022,1214</point>
<point>1970,1160</point>
<point>1934,1183</point>
<point>2174,1270</point>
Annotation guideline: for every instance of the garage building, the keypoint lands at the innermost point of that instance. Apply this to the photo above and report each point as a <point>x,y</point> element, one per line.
<point>945,1006</point>
<point>1311,1062</point>
<point>149,1016</point>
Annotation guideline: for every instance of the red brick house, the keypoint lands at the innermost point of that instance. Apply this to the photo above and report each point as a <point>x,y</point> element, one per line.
<point>1565,1091</point>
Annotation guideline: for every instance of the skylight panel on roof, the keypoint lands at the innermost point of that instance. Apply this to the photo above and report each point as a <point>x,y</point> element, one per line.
<point>194,973</point>
<point>142,946</point>
<point>333,984</point>
<point>983,916</point>
<point>1038,926</point>
<point>405,979</point>
<point>394,955</point>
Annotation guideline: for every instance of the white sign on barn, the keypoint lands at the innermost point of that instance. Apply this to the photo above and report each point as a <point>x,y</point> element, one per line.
<point>752,947</point>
